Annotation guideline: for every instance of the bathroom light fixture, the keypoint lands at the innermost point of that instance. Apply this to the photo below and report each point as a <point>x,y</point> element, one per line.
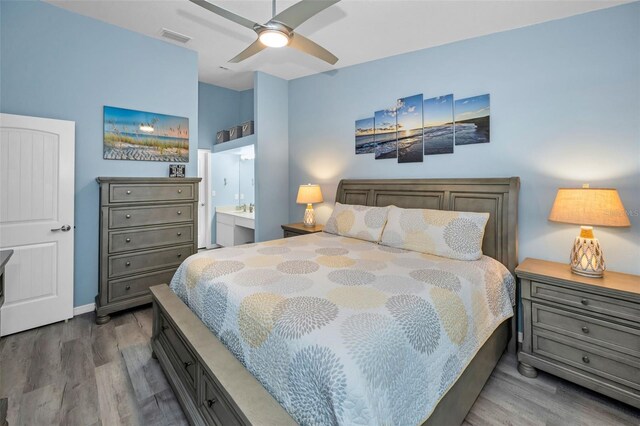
<point>588,207</point>
<point>274,38</point>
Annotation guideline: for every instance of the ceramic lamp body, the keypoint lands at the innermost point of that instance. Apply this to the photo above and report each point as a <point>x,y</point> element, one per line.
<point>586,255</point>
<point>309,217</point>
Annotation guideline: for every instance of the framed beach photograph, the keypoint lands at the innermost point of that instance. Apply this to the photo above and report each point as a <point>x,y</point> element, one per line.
<point>365,142</point>
<point>409,127</point>
<point>438,125</point>
<point>472,120</point>
<point>144,136</point>
<point>386,134</point>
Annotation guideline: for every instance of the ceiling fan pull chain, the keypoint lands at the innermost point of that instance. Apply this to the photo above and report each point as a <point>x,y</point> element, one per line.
<point>273,9</point>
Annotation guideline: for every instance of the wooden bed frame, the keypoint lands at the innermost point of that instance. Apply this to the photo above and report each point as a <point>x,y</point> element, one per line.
<point>214,388</point>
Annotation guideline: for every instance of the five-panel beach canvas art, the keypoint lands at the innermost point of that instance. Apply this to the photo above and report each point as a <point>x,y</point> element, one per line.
<point>415,127</point>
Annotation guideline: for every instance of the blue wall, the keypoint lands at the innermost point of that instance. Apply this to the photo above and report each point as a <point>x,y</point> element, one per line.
<point>219,109</point>
<point>272,155</point>
<point>58,64</point>
<point>565,109</point>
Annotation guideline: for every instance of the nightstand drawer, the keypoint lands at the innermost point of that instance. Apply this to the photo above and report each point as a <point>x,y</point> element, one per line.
<point>586,301</point>
<point>289,234</point>
<point>610,365</point>
<point>589,329</point>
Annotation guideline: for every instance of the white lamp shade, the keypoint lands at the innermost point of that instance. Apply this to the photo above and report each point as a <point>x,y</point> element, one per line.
<point>309,194</point>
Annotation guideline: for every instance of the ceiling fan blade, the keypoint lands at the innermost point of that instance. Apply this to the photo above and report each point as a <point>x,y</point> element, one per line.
<point>253,48</point>
<point>295,15</point>
<point>226,14</point>
<point>307,46</point>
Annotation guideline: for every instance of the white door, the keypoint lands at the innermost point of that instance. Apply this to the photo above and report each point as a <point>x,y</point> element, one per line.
<point>36,220</point>
<point>204,221</point>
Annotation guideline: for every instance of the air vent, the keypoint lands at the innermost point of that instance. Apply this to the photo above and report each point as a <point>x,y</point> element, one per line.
<point>175,36</point>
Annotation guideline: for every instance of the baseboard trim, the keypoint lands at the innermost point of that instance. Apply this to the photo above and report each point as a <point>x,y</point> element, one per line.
<point>79,310</point>
<point>520,336</point>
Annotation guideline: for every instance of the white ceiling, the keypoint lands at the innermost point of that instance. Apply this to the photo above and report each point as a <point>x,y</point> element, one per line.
<point>355,31</point>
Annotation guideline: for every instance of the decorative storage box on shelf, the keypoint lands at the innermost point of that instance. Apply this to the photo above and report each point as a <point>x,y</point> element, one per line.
<point>235,132</point>
<point>586,330</point>
<point>148,226</point>
<point>247,128</point>
<point>222,136</point>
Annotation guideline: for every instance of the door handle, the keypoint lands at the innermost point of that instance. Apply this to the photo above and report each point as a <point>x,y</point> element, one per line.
<point>63,228</point>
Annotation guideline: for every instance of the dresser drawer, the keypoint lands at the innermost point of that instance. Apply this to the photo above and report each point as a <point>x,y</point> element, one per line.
<point>126,217</point>
<point>133,193</point>
<point>127,264</point>
<point>585,301</point>
<point>183,360</point>
<point>213,406</point>
<point>605,363</point>
<point>120,241</point>
<point>125,288</point>
<point>593,330</point>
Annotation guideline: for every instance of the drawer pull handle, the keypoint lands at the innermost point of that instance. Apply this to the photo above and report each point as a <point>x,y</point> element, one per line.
<point>165,327</point>
<point>179,255</point>
<point>585,302</point>
<point>211,401</point>
<point>128,216</point>
<point>585,359</point>
<point>179,234</point>
<point>585,329</point>
<point>128,192</point>
<point>127,264</point>
<point>128,240</point>
<point>127,287</point>
<point>179,191</point>
<point>179,212</point>
<point>188,364</point>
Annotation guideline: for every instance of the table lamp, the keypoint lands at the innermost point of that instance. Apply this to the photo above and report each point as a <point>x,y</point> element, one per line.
<point>588,207</point>
<point>309,194</point>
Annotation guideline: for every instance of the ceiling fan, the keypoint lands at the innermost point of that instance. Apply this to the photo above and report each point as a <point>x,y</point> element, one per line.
<point>279,31</point>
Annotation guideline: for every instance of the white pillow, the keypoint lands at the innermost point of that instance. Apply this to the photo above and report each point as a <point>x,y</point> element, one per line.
<point>362,222</point>
<point>456,235</point>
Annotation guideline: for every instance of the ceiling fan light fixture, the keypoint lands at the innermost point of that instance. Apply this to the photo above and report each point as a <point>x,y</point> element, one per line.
<point>274,38</point>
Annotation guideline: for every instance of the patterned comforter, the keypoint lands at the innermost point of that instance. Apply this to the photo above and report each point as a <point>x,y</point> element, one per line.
<point>343,331</point>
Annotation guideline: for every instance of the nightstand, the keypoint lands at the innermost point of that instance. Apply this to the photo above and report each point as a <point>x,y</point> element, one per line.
<point>585,330</point>
<point>295,229</point>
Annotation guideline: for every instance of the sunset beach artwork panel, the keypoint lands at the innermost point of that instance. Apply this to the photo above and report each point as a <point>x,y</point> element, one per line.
<point>386,134</point>
<point>472,120</point>
<point>144,136</point>
<point>409,125</point>
<point>365,141</point>
<point>438,125</point>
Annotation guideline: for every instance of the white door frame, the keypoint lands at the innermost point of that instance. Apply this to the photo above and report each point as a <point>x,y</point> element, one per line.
<point>206,184</point>
<point>28,307</point>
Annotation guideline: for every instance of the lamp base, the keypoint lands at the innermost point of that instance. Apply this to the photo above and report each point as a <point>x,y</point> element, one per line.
<point>586,255</point>
<point>309,217</point>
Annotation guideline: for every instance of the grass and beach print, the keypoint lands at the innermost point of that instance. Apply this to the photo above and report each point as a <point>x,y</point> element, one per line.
<point>365,140</point>
<point>472,120</point>
<point>386,134</point>
<point>409,119</point>
<point>438,125</point>
<point>144,136</point>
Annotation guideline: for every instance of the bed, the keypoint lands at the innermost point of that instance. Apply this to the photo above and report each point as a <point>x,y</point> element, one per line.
<point>324,329</point>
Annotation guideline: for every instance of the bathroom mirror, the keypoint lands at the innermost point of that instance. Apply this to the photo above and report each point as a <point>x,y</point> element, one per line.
<point>233,177</point>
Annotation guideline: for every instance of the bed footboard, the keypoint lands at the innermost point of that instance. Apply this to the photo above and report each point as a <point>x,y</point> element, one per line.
<point>212,386</point>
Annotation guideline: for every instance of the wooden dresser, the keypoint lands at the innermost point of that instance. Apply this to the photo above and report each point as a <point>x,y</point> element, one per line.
<point>586,330</point>
<point>148,226</point>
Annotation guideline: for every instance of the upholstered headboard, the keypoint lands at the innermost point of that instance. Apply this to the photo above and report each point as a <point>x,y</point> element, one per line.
<point>496,196</point>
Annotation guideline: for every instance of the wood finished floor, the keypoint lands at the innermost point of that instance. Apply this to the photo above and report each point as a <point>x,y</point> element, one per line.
<point>80,373</point>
